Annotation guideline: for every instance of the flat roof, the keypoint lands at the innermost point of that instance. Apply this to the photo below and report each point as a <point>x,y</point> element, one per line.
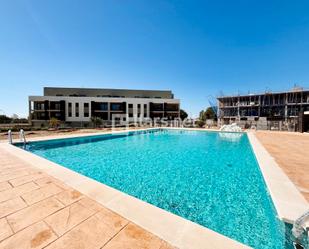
<point>107,92</point>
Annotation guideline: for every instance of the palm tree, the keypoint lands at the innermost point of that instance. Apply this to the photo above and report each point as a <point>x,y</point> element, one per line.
<point>96,121</point>
<point>54,123</point>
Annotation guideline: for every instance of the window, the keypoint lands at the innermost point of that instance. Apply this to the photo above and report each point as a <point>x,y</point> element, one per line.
<point>76,109</point>
<point>130,110</point>
<point>116,106</point>
<point>39,106</point>
<point>40,115</point>
<point>171,107</point>
<point>55,106</point>
<point>69,109</point>
<point>157,107</point>
<point>103,106</point>
<point>138,110</point>
<point>86,110</point>
<point>145,110</point>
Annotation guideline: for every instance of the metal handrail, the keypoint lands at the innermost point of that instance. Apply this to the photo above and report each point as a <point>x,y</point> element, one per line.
<point>298,228</point>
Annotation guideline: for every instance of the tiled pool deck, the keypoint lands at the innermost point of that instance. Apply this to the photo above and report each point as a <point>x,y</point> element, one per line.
<point>39,211</point>
<point>291,152</point>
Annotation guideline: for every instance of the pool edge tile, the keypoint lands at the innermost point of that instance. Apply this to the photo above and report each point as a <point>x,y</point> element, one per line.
<point>288,201</point>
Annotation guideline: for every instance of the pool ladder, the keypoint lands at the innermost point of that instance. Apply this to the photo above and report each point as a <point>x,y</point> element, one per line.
<point>22,136</point>
<point>299,229</point>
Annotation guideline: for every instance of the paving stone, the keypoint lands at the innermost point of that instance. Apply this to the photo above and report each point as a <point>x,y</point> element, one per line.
<point>46,180</point>
<point>290,150</point>
<point>5,171</point>
<point>41,193</point>
<point>5,230</point>
<point>92,233</point>
<point>35,237</point>
<point>67,218</point>
<point>11,164</point>
<point>69,196</point>
<point>28,178</point>
<point>11,206</point>
<point>166,245</point>
<point>133,236</point>
<point>18,191</point>
<point>14,175</point>
<point>5,186</point>
<point>82,222</point>
<point>89,203</point>
<point>110,218</point>
<point>34,213</point>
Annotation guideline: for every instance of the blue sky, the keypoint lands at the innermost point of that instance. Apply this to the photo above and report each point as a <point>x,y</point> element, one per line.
<point>195,48</point>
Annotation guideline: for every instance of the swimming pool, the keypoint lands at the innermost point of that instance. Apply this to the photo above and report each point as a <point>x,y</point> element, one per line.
<point>210,178</point>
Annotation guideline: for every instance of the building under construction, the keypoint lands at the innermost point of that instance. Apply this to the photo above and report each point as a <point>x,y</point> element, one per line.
<point>268,111</point>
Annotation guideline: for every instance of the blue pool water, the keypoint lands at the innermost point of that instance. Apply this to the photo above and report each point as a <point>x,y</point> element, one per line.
<point>210,178</point>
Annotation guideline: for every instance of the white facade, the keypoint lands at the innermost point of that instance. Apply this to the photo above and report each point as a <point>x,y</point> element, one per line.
<point>140,106</point>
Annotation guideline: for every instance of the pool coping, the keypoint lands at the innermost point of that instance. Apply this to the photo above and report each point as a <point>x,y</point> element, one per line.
<point>288,201</point>
<point>174,229</point>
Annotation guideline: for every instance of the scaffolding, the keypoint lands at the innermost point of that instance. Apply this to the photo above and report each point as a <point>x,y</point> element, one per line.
<point>280,110</point>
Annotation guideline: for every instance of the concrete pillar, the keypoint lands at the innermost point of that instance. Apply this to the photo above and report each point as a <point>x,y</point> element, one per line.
<point>29,117</point>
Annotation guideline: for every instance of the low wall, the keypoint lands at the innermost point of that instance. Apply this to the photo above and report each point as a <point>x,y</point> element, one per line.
<point>17,126</point>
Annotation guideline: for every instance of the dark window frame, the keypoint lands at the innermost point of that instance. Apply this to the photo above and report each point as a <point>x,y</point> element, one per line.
<point>69,109</point>
<point>86,106</point>
<point>77,110</point>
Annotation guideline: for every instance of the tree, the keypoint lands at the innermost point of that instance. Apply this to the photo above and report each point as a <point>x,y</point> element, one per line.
<point>210,114</point>
<point>201,120</point>
<point>96,121</point>
<point>204,115</point>
<point>20,121</point>
<point>5,119</point>
<point>183,114</point>
<point>200,123</point>
<point>14,119</point>
<point>54,123</point>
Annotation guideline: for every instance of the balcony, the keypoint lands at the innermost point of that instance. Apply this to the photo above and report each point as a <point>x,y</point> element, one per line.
<point>156,107</point>
<point>118,107</point>
<point>99,106</point>
<point>171,107</point>
<point>44,110</point>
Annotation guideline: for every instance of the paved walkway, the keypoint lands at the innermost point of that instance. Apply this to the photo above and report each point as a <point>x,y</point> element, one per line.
<point>291,152</point>
<point>38,211</point>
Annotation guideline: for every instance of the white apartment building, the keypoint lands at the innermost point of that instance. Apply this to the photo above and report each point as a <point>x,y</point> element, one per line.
<point>76,106</point>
